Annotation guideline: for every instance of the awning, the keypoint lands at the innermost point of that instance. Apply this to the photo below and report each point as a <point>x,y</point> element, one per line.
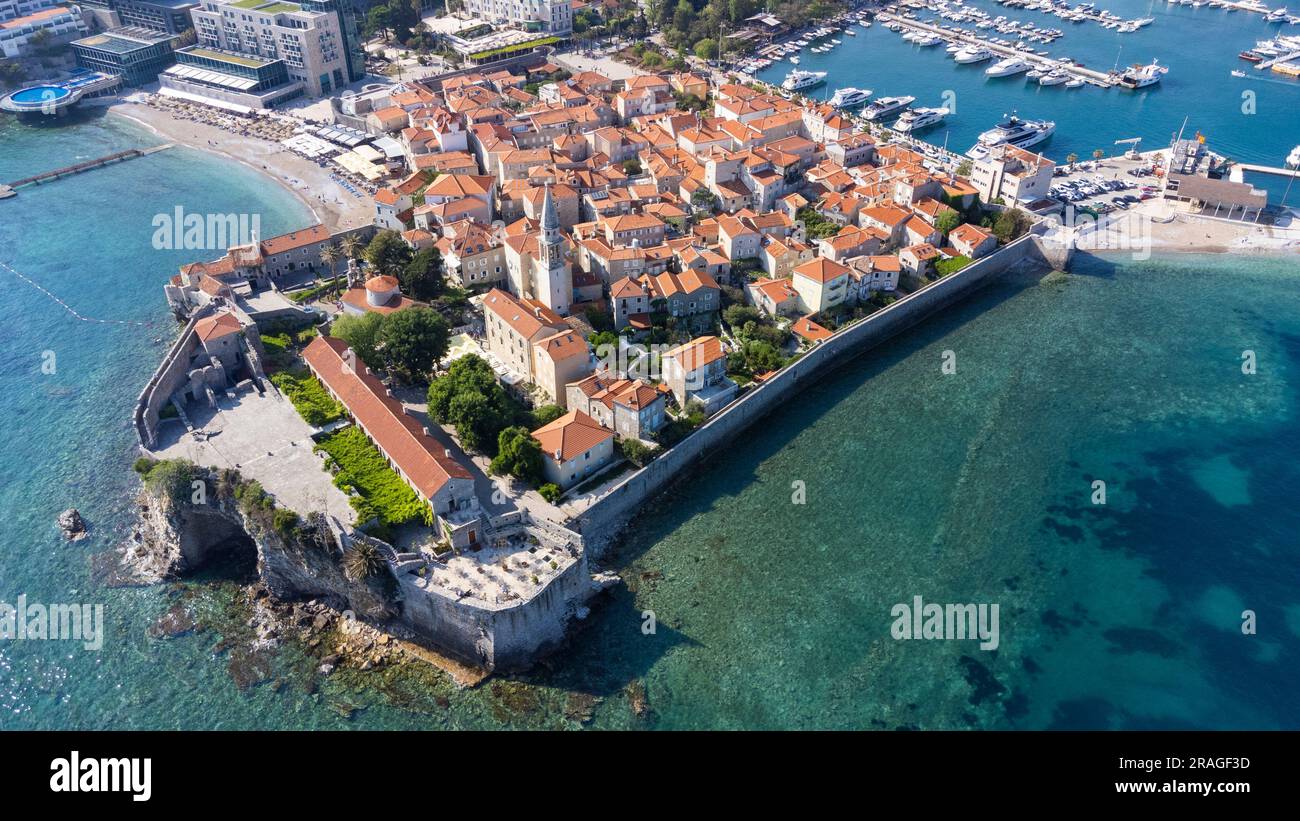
<point>195,98</point>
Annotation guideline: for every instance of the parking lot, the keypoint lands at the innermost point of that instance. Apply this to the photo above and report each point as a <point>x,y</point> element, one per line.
<point>1107,185</point>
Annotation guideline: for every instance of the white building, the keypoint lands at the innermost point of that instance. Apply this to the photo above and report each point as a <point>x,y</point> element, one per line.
<point>240,38</point>
<point>20,20</point>
<point>554,16</point>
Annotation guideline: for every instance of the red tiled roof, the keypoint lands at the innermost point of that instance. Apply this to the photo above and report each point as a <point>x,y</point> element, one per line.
<point>697,353</point>
<point>572,435</point>
<point>211,327</point>
<point>419,457</point>
<point>295,239</point>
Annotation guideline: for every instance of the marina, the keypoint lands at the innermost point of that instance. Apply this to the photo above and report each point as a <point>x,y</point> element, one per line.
<point>979,43</point>
<point>1081,87</point>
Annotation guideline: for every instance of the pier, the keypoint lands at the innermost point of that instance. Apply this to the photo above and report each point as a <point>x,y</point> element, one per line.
<point>1285,58</point>
<point>1238,171</point>
<point>1090,76</point>
<point>47,176</point>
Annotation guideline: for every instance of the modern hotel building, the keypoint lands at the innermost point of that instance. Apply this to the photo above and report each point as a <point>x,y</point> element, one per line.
<point>258,53</point>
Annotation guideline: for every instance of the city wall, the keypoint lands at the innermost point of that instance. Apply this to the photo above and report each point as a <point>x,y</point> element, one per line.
<point>605,519</point>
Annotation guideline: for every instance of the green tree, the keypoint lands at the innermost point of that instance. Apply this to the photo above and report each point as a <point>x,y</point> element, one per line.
<point>683,16</point>
<point>470,398</point>
<point>736,316</point>
<point>762,357</point>
<point>637,452</point>
<point>702,198</point>
<point>550,492</point>
<point>362,335</point>
<point>412,340</point>
<point>1010,224</point>
<point>518,455</point>
<point>545,415</point>
<point>947,221</point>
<point>388,253</point>
<point>707,49</point>
<point>422,278</point>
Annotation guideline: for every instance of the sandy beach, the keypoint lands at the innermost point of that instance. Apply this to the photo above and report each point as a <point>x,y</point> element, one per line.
<point>333,205</point>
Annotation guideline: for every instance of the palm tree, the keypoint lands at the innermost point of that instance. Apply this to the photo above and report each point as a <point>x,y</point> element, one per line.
<point>362,561</point>
<point>1098,154</point>
<point>329,256</point>
<point>352,246</point>
<point>1072,159</point>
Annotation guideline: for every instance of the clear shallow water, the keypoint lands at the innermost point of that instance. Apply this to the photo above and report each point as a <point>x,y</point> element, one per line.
<point>968,487</point>
<point>1199,45</point>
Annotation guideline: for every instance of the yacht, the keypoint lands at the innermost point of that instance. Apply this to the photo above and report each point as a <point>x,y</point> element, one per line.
<point>884,106</point>
<point>1137,76</point>
<point>916,119</point>
<point>1012,131</point>
<point>1293,159</point>
<point>1054,78</point>
<point>850,97</point>
<point>794,60</point>
<point>1077,82</point>
<point>973,54</point>
<point>798,80</point>
<point>1276,15</point>
<point>1008,67</point>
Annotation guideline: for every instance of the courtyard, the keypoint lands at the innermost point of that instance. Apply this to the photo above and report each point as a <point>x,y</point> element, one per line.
<point>263,437</point>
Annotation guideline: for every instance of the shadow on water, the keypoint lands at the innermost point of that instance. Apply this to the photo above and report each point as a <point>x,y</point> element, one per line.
<point>601,660</point>
<point>692,493</point>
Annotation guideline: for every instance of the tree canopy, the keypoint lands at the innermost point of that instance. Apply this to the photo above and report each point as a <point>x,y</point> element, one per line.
<point>362,335</point>
<point>470,398</point>
<point>388,254</point>
<point>518,455</point>
<point>422,277</point>
<point>412,340</point>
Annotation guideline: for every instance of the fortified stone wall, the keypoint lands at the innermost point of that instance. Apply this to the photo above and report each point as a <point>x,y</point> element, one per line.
<point>503,638</point>
<point>172,375</point>
<point>602,522</point>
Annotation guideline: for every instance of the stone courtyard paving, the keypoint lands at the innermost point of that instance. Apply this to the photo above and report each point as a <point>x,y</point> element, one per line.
<point>264,438</point>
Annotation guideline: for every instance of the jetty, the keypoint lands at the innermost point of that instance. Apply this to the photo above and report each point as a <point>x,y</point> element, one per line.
<point>1285,58</point>
<point>58,173</point>
<point>1239,169</point>
<point>1100,79</point>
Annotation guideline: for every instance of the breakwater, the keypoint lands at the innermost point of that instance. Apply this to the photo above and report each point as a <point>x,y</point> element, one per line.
<point>601,523</point>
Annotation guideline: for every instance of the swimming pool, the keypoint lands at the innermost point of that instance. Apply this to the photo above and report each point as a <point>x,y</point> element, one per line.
<point>39,94</point>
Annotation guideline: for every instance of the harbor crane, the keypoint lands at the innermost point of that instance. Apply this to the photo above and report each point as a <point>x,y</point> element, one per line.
<point>1133,142</point>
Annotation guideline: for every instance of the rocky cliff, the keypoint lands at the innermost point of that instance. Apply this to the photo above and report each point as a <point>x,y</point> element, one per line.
<point>190,516</point>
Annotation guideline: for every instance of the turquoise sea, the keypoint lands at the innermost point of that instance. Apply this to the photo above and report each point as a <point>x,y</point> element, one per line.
<point>1252,119</point>
<point>974,486</point>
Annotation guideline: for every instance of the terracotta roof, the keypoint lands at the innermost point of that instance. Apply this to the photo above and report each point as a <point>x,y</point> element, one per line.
<point>969,234</point>
<point>381,284</point>
<point>570,436</point>
<point>295,239</point>
<point>526,320</point>
<point>420,458</point>
<point>821,270</point>
<point>356,297</point>
<point>810,330</point>
<point>697,353</point>
<point>218,325</point>
<point>564,345</point>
